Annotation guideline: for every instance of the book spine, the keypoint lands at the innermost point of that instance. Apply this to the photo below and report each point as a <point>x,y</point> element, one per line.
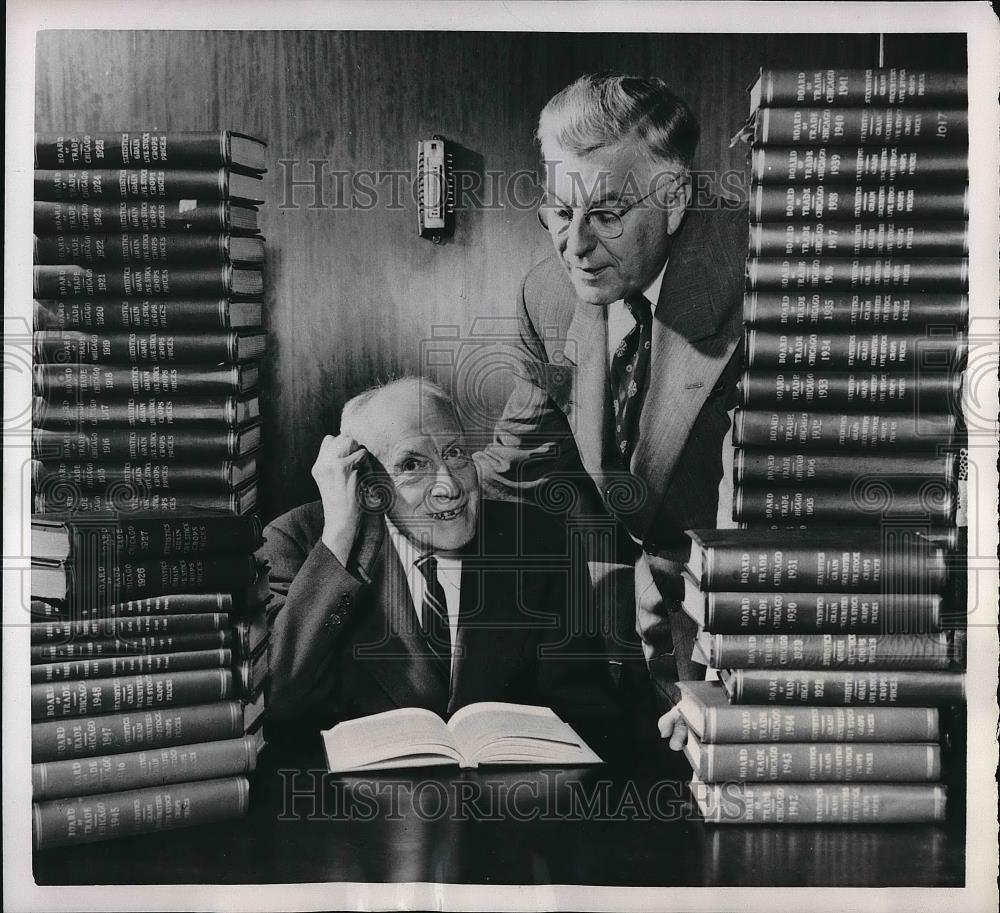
<point>149,314</point>
<point>111,626</point>
<point>864,567</point>
<point>130,579</point>
<point>828,762</point>
<point>851,203</point>
<point>846,392</point>
<point>129,149</point>
<point>850,431</point>
<point>920,275</point>
<point>59,822</point>
<point>134,249</point>
<point>763,467</point>
<point>858,165</point>
<point>56,740</point>
<point>124,444</point>
<point>822,803</point>
<point>848,351</point>
<point>107,666</point>
<point>140,769</point>
<point>194,535</point>
<point>136,412</point>
<point>78,381</point>
<point>829,651</point>
<point>150,476</point>
<point>874,688</point>
<point>72,281</point>
<point>862,310</point>
<point>741,723</point>
<point>872,499</point>
<point>813,126</point>
<point>61,499</point>
<point>167,643</point>
<point>858,239</point>
<point>847,86</point>
<point>88,697</point>
<point>71,347</point>
<point>85,184</point>
<point>806,613</point>
<point>57,218</point>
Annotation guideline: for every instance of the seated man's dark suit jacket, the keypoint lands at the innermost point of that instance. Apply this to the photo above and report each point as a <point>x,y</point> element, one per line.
<point>342,649</point>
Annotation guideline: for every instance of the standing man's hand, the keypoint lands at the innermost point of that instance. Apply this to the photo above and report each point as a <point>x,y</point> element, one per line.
<point>673,727</point>
<point>337,474</point>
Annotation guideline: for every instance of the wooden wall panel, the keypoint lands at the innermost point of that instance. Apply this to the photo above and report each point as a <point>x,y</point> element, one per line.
<point>352,292</point>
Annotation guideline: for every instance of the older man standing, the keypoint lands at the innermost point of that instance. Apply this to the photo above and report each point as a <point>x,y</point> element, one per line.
<point>629,336</point>
<point>401,587</point>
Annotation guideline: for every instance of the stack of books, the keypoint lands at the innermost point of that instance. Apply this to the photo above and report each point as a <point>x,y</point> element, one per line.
<point>148,321</point>
<point>148,665</point>
<point>827,643</point>
<point>856,308</point>
<point>827,616</point>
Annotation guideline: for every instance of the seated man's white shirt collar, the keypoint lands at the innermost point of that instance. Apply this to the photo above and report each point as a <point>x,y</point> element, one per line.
<point>620,321</point>
<point>449,572</point>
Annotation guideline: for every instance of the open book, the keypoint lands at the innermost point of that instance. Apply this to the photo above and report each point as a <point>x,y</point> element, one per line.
<point>485,733</point>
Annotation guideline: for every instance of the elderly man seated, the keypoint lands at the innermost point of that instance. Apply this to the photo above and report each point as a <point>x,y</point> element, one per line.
<point>402,587</point>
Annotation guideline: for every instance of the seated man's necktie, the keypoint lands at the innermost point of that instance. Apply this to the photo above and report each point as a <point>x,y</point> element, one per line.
<point>629,373</point>
<point>434,615</point>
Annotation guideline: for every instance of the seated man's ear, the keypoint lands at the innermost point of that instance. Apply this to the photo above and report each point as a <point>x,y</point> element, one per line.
<point>678,199</point>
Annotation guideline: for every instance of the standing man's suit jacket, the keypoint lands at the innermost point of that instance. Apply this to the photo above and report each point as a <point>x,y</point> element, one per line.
<point>341,648</point>
<point>558,420</point>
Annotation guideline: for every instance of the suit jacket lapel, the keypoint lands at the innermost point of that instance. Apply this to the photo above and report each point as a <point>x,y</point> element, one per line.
<point>688,356</point>
<point>490,631</point>
<point>392,645</point>
<point>586,345</point>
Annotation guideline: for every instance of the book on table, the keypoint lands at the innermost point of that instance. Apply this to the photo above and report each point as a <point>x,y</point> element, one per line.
<point>489,732</point>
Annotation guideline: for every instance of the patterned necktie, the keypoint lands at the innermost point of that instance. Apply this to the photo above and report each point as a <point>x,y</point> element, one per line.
<point>434,614</point>
<point>629,369</point>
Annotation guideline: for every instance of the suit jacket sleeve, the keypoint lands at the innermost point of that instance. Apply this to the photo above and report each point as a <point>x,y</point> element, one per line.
<point>532,441</point>
<point>533,455</point>
<point>315,598</point>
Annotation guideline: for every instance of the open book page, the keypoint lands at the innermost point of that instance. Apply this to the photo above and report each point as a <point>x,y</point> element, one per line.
<point>492,732</point>
<point>411,737</point>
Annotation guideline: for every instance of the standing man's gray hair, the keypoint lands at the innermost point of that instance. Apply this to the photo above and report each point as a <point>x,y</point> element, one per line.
<point>598,111</point>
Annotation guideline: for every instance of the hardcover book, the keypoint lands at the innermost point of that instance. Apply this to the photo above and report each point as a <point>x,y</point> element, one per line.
<point>485,733</point>
<point>135,148</point>
<point>714,720</point>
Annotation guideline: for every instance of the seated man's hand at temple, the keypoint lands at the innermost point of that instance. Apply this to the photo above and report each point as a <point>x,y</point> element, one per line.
<point>337,472</point>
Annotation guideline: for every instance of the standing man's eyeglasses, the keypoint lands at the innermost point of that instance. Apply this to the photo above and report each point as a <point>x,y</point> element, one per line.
<point>603,221</point>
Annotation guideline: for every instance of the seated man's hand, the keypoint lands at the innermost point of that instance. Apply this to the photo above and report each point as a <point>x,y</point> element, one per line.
<point>337,471</point>
<point>673,727</point>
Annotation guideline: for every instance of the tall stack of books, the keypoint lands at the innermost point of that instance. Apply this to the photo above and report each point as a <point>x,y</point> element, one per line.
<point>826,614</point>
<point>856,309</point>
<point>149,629</point>
<point>148,665</point>
<point>148,321</point>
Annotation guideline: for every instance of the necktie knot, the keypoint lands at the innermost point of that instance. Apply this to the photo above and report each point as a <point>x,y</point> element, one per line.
<point>639,307</point>
<point>427,565</point>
